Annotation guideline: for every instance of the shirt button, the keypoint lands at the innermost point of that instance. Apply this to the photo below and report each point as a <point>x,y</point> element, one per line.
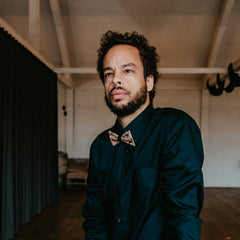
<point>118,220</point>
<point>126,150</point>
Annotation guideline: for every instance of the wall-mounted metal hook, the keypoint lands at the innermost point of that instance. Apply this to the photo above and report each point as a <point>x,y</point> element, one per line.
<point>217,88</point>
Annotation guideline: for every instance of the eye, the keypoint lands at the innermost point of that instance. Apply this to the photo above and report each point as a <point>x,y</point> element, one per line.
<point>128,70</point>
<point>108,75</point>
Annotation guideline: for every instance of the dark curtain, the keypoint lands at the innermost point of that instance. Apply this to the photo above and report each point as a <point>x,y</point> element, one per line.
<point>28,135</point>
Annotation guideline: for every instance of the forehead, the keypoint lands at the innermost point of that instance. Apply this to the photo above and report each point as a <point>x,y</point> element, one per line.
<point>122,54</point>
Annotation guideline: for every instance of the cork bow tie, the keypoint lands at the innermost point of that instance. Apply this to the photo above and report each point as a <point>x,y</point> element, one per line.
<point>125,137</point>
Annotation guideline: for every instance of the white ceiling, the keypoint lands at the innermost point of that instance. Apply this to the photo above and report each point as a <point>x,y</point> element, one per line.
<point>185,32</point>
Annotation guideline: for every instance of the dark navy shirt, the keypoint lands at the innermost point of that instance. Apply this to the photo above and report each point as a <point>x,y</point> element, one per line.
<point>153,190</point>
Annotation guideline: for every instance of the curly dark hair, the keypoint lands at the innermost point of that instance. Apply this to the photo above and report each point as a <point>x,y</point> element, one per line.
<point>148,53</point>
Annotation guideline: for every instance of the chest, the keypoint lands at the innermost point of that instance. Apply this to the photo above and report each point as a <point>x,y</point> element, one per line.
<point>126,169</point>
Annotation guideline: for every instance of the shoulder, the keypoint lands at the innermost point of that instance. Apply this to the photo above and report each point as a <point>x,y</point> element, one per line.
<point>101,139</point>
<point>173,120</point>
<point>99,148</point>
<point>171,114</point>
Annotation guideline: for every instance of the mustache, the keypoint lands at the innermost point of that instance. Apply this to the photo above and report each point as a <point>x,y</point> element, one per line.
<point>117,88</point>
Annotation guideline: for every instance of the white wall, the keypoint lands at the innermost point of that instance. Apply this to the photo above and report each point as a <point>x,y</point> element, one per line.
<point>186,100</point>
<point>91,118</point>
<point>61,118</point>
<point>222,165</point>
<point>222,150</point>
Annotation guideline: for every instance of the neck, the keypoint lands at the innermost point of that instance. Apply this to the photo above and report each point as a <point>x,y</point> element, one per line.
<point>125,120</point>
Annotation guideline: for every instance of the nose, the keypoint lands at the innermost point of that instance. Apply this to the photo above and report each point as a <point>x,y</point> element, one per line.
<point>117,80</point>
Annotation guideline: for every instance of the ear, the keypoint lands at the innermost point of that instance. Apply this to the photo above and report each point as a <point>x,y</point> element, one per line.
<point>150,83</point>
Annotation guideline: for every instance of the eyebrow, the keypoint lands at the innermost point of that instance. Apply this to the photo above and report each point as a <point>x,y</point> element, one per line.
<point>123,66</point>
<point>129,65</point>
<point>107,68</point>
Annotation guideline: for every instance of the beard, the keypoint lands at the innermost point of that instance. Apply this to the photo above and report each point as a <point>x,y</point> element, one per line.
<point>133,104</point>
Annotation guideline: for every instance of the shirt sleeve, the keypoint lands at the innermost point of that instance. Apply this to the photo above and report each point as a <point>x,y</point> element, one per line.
<point>93,210</point>
<point>182,181</point>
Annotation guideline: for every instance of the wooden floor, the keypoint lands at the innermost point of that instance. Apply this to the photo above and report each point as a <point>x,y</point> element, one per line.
<point>63,221</point>
<point>221,214</point>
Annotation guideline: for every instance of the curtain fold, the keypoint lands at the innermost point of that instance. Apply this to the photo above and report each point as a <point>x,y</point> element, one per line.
<point>28,135</point>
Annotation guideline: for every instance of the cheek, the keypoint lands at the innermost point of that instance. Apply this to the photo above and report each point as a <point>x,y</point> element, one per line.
<point>106,91</point>
<point>138,84</point>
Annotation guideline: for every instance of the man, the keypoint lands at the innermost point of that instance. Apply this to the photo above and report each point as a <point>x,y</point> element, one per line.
<point>145,178</point>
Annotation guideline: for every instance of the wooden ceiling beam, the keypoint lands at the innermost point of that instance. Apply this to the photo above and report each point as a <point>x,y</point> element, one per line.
<point>62,41</point>
<point>161,70</point>
<point>15,35</point>
<point>34,23</point>
<point>219,34</point>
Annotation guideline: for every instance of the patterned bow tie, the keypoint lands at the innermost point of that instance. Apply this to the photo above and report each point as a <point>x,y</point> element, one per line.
<point>126,137</point>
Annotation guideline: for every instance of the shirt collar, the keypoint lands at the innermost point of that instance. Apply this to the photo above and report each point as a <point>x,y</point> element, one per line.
<point>136,126</point>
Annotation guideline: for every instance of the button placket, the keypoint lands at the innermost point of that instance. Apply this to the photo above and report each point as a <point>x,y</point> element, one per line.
<point>117,207</point>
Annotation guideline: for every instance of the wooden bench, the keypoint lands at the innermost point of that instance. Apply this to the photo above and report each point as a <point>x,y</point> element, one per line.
<point>77,172</point>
